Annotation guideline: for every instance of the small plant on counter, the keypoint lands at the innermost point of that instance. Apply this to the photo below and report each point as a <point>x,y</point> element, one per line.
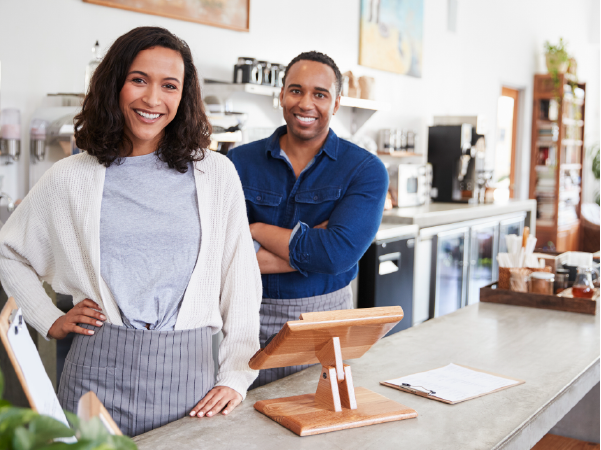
<point>25,429</point>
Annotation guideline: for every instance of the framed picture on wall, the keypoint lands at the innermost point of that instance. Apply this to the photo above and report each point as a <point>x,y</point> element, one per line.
<point>391,35</point>
<point>232,14</point>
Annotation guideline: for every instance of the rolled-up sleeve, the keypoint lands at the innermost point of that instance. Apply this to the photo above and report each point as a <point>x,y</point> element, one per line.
<point>351,228</point>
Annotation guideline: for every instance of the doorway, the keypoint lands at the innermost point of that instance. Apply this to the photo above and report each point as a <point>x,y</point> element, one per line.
<point>505,150</point>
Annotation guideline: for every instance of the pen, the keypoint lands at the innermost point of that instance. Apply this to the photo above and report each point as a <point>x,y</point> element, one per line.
<point>429,392</point>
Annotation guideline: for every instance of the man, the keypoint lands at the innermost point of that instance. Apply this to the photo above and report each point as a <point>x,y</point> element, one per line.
<point>314,202</point>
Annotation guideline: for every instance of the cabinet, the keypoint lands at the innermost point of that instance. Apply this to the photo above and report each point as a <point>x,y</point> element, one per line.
<point>556,159</point>
<point>386,277</point>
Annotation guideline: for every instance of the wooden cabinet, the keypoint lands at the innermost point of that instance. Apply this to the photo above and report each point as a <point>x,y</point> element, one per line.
<point>556,159</point>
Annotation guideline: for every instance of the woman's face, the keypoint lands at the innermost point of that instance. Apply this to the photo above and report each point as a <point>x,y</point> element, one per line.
<point>150,96</point>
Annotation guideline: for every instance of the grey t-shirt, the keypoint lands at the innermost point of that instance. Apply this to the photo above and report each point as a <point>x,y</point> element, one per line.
<point>149,239</point>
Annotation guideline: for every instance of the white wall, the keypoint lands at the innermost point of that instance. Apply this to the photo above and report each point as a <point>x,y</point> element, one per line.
<point>45,46</point>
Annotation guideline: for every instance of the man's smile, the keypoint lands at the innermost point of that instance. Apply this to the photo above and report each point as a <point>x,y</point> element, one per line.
<point>305,119</point>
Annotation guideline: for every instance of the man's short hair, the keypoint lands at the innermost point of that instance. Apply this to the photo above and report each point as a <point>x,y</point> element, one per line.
<point>320,58</point>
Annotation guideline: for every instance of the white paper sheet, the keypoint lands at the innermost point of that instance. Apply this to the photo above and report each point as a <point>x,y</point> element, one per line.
<point>40,386</point>
<point>454,383</point>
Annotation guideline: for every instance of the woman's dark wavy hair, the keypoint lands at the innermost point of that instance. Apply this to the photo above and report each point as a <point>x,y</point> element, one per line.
<point>99,126</point>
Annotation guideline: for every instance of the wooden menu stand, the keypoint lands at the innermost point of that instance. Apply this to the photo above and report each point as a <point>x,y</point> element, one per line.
<point>329,338</point>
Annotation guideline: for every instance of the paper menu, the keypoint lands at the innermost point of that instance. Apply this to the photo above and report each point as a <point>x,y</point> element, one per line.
<point>454,383</point>
<point>39,385</point>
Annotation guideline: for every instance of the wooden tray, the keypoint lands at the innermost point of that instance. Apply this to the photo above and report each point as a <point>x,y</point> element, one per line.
<point>492,294</point>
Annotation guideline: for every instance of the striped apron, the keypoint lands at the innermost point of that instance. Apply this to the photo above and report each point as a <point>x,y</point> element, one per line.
<point>145,379</point>
<point>276,312</point>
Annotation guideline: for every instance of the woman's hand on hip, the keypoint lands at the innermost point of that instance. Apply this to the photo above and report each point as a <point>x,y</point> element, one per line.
<point>86,311</point>
<point>219,398</point>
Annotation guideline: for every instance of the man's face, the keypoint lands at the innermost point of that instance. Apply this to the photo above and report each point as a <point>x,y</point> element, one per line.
<point>309,99</point>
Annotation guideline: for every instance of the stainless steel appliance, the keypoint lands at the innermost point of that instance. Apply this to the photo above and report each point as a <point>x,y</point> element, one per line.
<point>52,136</point>
<point>248,70</point>
<point>386,272</point>
<point>10,135</point>
<point>408,183</point>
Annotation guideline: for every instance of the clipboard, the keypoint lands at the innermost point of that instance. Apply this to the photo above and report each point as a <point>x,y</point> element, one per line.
<point>434,397</point>
<point>90,406</point>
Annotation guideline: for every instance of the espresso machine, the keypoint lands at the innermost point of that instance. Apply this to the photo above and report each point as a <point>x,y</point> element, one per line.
<point>457,154</point>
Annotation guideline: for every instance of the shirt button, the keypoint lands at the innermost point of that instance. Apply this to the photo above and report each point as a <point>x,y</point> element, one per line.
<point>258,197</point>
<point>315,198</point>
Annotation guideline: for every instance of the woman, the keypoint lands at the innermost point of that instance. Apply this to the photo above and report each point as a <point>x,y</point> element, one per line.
<point>148,232</point>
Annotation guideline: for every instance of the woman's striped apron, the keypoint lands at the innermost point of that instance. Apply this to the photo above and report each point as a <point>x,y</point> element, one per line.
<point>145,379</point>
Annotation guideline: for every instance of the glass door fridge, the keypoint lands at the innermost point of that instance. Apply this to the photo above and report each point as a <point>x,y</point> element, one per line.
<point>449,268</point>
<point>482,270</point>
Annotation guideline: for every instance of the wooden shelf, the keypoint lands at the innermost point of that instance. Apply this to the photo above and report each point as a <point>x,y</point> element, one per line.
<point>570,166</point>
<point>573,142</point>
<point>564,236</point>
<point>572,122</point>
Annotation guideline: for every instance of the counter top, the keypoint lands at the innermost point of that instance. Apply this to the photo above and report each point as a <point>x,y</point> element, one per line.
<point>435,214</point>
<point>556,353</point>
<point>394,230</point>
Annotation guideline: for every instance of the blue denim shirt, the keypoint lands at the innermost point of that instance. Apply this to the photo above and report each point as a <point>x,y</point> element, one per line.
<point>345,184</point>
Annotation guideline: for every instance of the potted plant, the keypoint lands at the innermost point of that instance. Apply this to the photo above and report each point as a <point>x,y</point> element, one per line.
<point>557,57</point>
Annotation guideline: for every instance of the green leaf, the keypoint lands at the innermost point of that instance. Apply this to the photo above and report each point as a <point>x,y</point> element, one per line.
<point>4,404</point>
<point>23,439</point>
<point>93,430</point>
<point>79,445</point>
<point>1,384</point>
<point>46,429</point>
<point>73,420</point>
<point>11,418</point>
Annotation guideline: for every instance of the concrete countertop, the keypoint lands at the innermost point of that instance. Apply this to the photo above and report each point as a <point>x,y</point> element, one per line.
<point>394,230</point>
<point>556,353</point>
<point>435,214</point>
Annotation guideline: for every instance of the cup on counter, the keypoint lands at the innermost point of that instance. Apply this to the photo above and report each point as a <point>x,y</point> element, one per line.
<point>541,283</point>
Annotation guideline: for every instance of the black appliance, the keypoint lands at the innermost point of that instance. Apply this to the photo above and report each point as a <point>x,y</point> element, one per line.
<point>453,152</point>
<point>386,277</point>
<point>248,70</point>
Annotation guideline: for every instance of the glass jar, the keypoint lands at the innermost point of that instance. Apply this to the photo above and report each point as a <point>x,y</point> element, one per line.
<point>541,283</point>
<point>583,285</point>
<point>518,279</point>
<point>562,277</point>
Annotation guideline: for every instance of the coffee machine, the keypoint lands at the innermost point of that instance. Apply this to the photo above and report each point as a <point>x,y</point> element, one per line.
<point>457,154</point>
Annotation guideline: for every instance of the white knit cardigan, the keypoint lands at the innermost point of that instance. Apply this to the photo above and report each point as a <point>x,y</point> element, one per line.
<point>54,236</point>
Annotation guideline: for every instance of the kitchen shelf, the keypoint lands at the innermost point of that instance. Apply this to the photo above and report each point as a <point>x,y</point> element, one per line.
<point>212,87</point>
